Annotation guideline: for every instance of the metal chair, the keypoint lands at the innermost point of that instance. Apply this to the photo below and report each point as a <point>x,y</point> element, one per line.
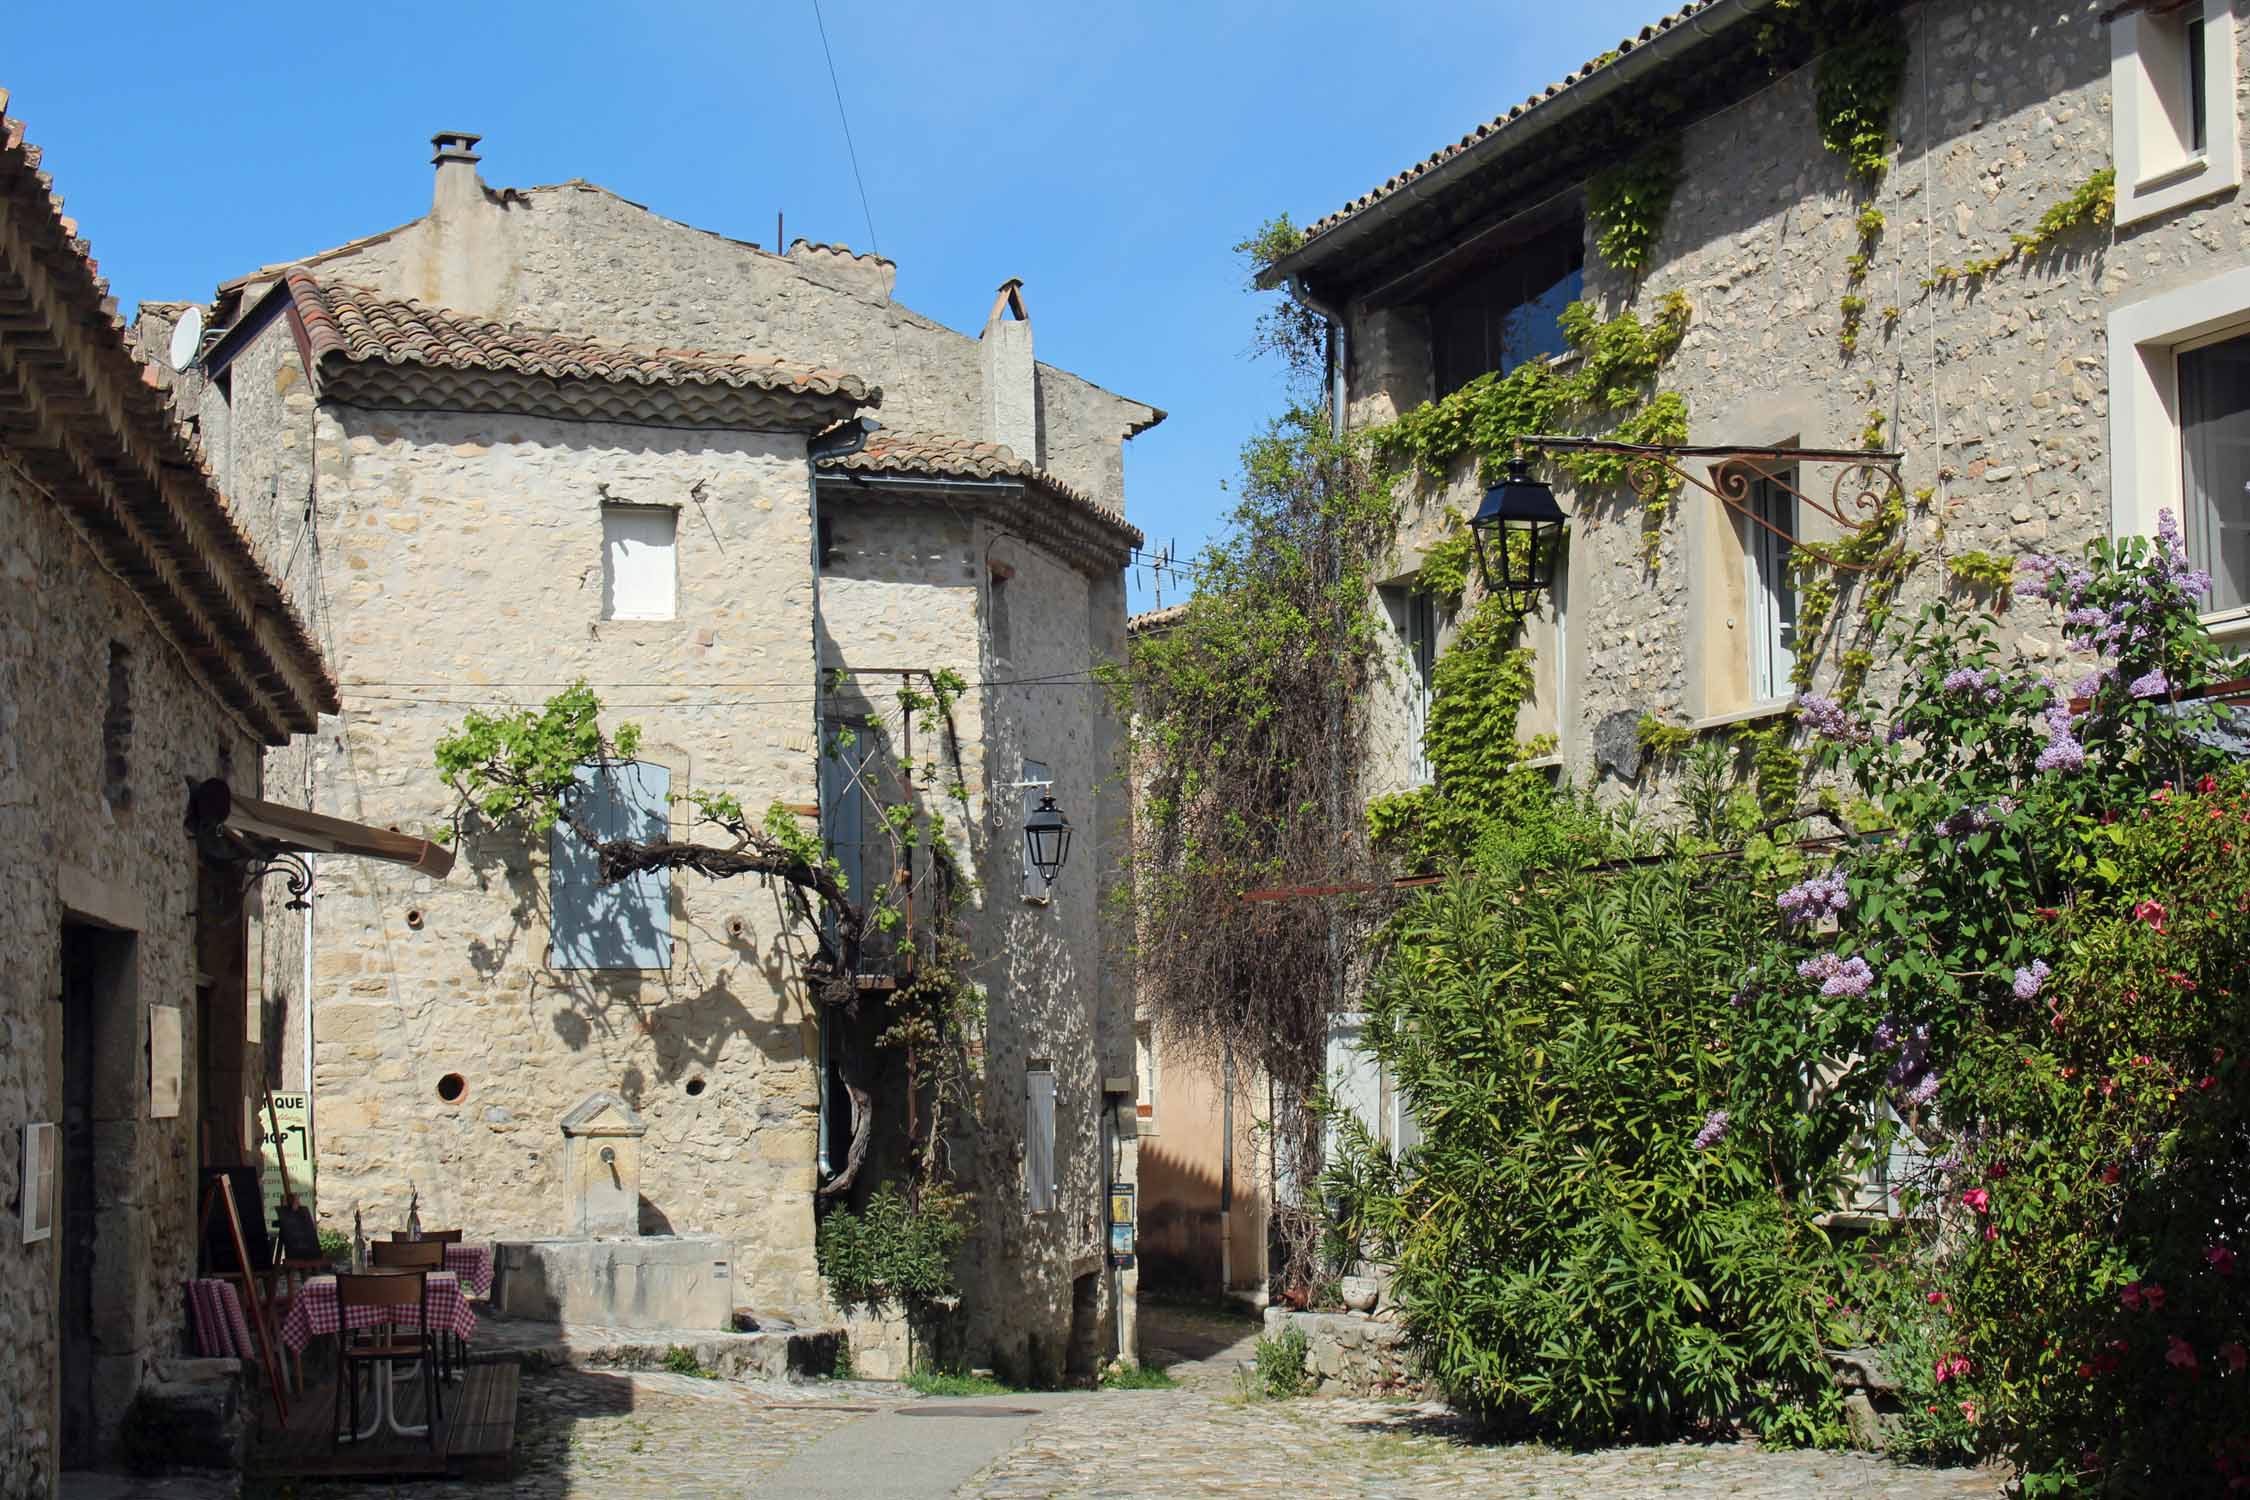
<point>382,1346</point>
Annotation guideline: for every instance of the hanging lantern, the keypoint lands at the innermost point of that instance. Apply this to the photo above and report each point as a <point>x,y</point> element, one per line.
<point>1519,506</point>
<point>1046,836</point>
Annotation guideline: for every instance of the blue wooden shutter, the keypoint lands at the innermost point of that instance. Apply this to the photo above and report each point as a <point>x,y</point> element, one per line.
<point>626,925</point>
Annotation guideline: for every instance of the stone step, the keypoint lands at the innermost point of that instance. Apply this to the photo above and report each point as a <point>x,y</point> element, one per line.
<point>768,1354</point>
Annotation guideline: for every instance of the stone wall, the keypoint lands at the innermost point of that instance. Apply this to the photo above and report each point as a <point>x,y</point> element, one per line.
<point>578,257</point>
<point>920,586</point>
<point>102,725</point>
<point>1996,391</point>
<point>459,565</point>
<point>1353,1354</point>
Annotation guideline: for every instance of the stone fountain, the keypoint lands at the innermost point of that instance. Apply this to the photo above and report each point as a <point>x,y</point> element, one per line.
<point>606,1273</point>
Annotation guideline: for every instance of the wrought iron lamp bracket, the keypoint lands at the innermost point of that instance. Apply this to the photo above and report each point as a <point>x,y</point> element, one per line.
<point>252,860</point>
<point>1865,482</point>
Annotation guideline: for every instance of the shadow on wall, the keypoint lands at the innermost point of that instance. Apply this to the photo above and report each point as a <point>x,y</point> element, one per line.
<point>1180,1225</point>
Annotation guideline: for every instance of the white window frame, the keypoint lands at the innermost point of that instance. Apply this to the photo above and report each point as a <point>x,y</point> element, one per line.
<point>1414,617</point>
<point>2147,472</point>
<point>1765,562</point>
<point>2158,164</point>
<point>1151,1070</point>
<point>663,601</point>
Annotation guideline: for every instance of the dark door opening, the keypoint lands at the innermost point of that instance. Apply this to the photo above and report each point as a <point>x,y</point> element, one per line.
<point>1084,1355</point>
<point>81,996</point>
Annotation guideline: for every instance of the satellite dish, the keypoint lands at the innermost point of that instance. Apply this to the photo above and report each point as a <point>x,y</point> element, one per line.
<point>187,338</point>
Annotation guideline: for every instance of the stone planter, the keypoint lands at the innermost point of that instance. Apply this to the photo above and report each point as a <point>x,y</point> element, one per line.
<point>1360,1293</point>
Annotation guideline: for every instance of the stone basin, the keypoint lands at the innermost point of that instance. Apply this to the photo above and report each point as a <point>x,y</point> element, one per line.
<point>638,1281</point>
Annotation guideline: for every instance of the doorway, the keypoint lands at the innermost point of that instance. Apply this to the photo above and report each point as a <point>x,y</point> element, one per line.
<point>100,1097</point>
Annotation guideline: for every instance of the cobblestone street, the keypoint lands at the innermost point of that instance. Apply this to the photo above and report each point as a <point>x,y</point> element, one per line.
<point>595,1435</point>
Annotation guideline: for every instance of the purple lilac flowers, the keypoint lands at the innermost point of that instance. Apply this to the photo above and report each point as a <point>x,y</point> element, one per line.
<point>2150,684</point>
<point>1828,719</point>
<point>1839,977</point>
<point>1821,896</point>
<point>1714,1130</point>
<point>2030,979</point>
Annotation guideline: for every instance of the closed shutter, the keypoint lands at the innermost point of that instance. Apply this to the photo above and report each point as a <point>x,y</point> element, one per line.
<point>1039,1139</point>
<point>628,924</point>
<point>1355,1077</point>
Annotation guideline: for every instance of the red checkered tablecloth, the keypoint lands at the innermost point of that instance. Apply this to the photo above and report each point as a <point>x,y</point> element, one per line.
<point>313,1311</point>
<point>473,1264</point>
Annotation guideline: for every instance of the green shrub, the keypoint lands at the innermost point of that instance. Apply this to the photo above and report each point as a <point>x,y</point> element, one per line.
<point>1581,1242</point>
<point>934,1382</point>
<point>893,1250</point>
<point>336,1245</point>
<point>1123,1377</point>
<point>1281,1362</point>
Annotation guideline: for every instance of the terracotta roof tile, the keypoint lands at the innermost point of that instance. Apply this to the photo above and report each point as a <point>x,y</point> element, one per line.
<point>364,327</point>
<point>1493,126</point>
<point>942,456</point>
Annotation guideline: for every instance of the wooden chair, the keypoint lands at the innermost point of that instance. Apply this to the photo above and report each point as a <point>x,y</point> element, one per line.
<point>424,1254</point>
<point>380,1347</point>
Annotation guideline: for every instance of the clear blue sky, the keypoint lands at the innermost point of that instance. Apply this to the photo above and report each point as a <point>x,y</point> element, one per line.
<point>1109,155</point>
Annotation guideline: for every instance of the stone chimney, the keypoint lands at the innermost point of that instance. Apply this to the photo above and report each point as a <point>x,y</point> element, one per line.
<point>1011,394</point>
<point>459,190</point>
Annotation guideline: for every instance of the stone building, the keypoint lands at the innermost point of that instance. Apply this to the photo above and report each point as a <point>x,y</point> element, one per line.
<point>2065,395</point>
<point>683,499</point>
<point>143,651</point>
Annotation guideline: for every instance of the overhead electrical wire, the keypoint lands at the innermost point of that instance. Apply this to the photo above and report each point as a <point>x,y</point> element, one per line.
<point>849,149</point>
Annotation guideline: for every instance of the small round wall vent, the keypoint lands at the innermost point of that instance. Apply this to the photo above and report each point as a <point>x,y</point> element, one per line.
<point>414,918</point>
<point>694,1087</point>
<point>451,1087</point>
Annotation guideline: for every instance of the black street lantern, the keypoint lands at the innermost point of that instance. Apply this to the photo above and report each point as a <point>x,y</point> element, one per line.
<point>1518,506</point>
<point>1046,835</point>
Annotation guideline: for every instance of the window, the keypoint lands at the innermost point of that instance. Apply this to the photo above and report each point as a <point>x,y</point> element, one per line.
<point>2168,66</point>
<point>2215,466</point>
<point>2179,425</point>
<point>640,573</point>
<point>1507,314</point>
<point>1145,1075</point>
<point>626,924</point>
<point>1039,1137</point>
<point>1035,887</point>
<point>1771,593</point>
<point>1414,616</point>
<point>845,745</point>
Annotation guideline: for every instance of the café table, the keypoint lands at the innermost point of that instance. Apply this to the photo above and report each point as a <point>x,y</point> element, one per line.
<point>315,1310</point>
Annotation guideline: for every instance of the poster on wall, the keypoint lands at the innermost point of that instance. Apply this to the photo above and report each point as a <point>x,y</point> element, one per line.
<point>38,1182</point>
<point>164,1078</point>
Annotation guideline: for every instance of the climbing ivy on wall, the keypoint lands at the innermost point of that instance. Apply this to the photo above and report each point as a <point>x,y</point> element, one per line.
<point>1856,86</point>
<point>1628,203</point>
<point>2092,203</point>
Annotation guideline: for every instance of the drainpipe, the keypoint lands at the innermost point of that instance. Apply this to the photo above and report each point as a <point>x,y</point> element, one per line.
<point>1226,1176</point>
<point>845,437</point>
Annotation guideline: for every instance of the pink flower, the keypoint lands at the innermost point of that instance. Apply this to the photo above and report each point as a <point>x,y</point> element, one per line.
<point>2153,1295</point>
<point>2221,1259</point>
<point>2131,1297</point>
<point>1978,1199</point>
<point>1969,1412</point>
<point>2151,913</point>
<point>2235,1355</point>
<point>2179,1355</point>
<point>1950,1366</point>
<point>1934,1298</point>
